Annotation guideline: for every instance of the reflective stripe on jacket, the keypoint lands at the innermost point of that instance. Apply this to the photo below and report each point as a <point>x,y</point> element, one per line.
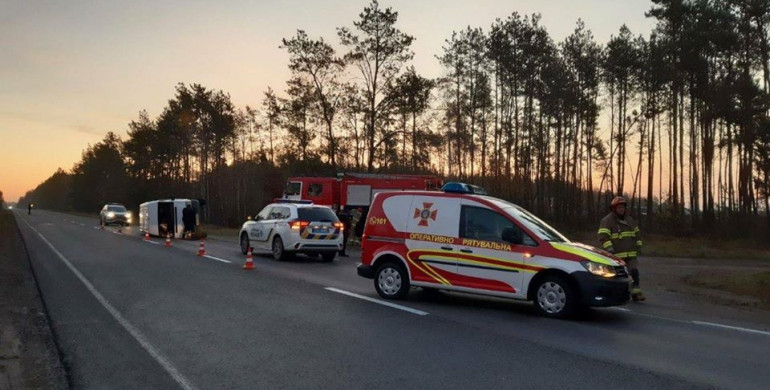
<point>620,236</point>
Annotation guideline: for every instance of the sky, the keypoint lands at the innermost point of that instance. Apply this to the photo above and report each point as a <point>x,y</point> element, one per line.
<point>71,71</point>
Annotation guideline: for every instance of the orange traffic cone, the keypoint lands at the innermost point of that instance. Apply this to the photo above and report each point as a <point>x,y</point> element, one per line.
<point>249,261</point>
<point>168,240</point>
<point>202,249</point>
<point>147,236</point>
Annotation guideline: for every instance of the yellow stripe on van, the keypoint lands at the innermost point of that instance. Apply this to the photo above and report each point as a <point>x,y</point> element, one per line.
<point>584,253</point>
<point>427,270</point>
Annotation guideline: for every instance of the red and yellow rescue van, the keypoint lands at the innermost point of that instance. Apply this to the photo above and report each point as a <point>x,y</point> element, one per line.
<point>458,240</point>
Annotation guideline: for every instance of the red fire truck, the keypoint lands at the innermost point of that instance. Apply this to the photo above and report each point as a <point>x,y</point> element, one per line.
<point>351,190</point>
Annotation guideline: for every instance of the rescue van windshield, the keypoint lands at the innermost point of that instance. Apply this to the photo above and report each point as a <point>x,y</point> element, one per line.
<point>534,224</point>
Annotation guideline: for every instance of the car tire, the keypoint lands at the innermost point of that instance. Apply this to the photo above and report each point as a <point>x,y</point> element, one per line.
<point>328,257</point>
<point>279,252</point>
<point>391,281</point>
<point>244,243</point>
<point>555,297</point>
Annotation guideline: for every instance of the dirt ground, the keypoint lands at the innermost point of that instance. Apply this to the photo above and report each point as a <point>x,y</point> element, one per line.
<point>28,355</point>
<point>709,289</point>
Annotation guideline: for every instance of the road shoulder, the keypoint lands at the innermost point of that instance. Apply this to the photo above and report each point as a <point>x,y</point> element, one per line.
<point>29,358</point>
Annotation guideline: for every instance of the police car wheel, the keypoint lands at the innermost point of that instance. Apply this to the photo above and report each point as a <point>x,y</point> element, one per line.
<point>328,257</point>
<point>279,252</point>
<point>244,243</point>
<point>391,281</point>
<point>555,297</point>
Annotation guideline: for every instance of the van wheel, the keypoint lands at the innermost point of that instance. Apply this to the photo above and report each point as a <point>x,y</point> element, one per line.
<point>391,281</point>
<point>244,243</point>
<point>279,252</point>
<point>555,297</point>
<point>328,257</point>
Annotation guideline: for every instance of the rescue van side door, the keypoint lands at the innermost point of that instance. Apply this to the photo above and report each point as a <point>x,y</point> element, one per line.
<point>485,260</point>
<point>431,236</point>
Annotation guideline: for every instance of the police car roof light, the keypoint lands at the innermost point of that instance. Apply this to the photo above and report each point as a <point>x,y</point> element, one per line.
<point>463,188</point>
<point>293,201</point>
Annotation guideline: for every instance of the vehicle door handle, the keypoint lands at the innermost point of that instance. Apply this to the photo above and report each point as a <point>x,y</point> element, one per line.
<point>466,250</point>
<point>446,248</point>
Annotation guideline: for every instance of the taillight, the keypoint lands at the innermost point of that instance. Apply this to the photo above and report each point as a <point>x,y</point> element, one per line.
<point>297,225</point>
<point>339,225</point>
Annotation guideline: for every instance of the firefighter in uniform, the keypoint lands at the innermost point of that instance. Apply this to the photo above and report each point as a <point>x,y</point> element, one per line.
<point>619,234</point>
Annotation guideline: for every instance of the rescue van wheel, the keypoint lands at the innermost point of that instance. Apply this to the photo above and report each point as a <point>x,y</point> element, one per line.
<point>244,243</point>
<point>555,297</point>
<point>391,281</point>
<point>279,252</point>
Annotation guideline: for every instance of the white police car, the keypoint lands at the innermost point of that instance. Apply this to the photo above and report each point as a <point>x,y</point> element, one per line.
<point>288,227</point>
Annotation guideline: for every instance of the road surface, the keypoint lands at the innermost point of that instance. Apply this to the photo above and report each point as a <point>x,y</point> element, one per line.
<point>132,314</point>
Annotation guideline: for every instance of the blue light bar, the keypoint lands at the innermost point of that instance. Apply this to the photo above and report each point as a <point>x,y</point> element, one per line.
<point>293,201</point>
<point>463,188</point>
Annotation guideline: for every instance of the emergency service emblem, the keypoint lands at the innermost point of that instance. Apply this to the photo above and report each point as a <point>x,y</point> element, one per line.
<point>425,214</point>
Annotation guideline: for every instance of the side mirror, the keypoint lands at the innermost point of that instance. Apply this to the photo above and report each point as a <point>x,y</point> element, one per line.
<point>512,235</point>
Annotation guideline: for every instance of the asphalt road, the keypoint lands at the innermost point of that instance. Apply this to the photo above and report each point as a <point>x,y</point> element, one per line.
<point>130,314</point>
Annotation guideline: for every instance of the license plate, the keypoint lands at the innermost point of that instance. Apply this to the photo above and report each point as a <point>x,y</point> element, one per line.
<point>320,230</point>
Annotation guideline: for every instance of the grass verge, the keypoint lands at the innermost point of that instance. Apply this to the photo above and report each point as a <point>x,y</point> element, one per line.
<point>753,284</point>
<point>690,247</point>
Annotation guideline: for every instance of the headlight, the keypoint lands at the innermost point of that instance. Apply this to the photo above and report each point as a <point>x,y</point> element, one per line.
<point>599,269</point>
<point>110,215</point>
<point>128,214</point>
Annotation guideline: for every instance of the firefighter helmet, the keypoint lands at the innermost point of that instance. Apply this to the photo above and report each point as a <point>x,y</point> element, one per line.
<point>617,201</point>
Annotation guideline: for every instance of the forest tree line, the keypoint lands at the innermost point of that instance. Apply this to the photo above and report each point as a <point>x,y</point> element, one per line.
<point>687,139</point>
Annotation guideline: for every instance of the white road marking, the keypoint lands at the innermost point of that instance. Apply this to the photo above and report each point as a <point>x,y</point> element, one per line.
<point>153,242</point>
<point>128,326</point>
<point>82,224</point>
<point>713,324</point>
<point>732,327</point>
<point>217,259</point>
<point>377,301</point>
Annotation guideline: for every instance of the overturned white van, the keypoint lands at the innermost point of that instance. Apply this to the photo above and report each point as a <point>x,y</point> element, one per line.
<point>163,217</point>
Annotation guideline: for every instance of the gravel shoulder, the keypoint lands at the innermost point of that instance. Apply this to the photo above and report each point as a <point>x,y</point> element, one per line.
<point>29,357</point>
<point>707,289</point>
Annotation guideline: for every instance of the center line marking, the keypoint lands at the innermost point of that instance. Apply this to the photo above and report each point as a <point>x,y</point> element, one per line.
<point>217,259</point>
<point>377,301</point>
<point>128,326</point>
